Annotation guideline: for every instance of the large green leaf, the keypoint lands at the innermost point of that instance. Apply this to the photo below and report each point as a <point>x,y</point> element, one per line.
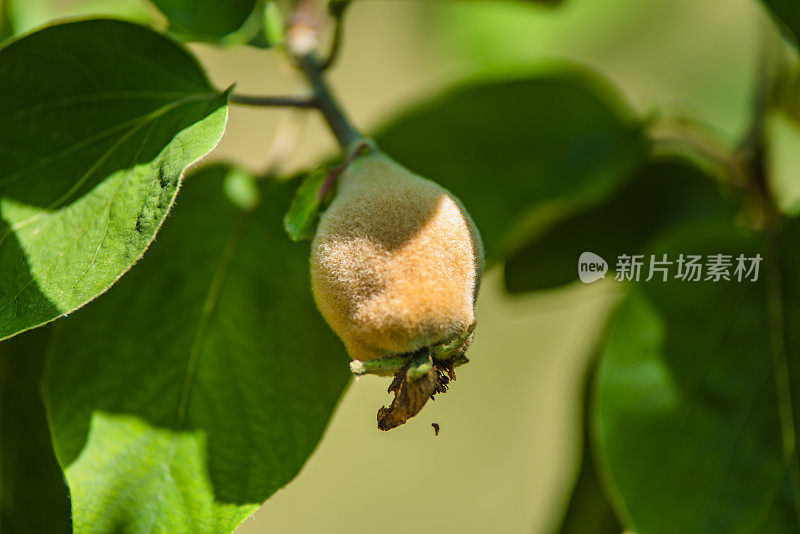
<point>520,154</point>
<point>200,383</point>
<point>206,19</point>
<point>99,120</point>
<point>694,404</point>
<point>782,140</point>
<point>788,13</point>
<point>664,193</point>
<point>24,16</point>
<point>7,28</point>
<point>33,494</point>
<point>588,509</point>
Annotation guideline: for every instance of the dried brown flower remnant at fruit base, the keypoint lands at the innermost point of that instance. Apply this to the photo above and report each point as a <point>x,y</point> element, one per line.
<point>411,395</point>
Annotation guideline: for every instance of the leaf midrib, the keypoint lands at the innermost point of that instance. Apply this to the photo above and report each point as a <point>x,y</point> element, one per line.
<point>206,314</point>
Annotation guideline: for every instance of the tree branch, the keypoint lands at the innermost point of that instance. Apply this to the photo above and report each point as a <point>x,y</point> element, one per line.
<point>346,134</point>
<point>302,40</point>
<point>269,101</point>
<point>338,10</point>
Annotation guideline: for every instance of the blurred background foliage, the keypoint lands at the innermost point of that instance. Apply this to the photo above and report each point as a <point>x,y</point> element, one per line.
<point>511,443</point>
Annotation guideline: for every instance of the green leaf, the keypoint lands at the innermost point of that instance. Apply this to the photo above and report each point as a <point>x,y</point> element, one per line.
<point>664,193</point>
<point>242,189</point>
<point>34,497</point>
<point>6,21</point>
<point>272,28</point>
<point>521,154</point>
<point>782,140</point>
<point>781,133</point>
<point>28,15</point>
<point>788,14</point>
<point>688,410</point>
<point>301,219</point>
<point>200,384</point>
<point>100,118</point>
<point>264,28</point>
<point>206,20</point>
<point>588,510</point>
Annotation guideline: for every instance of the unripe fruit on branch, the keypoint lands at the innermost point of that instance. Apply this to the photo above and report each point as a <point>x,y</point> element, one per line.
<point>395,264</point>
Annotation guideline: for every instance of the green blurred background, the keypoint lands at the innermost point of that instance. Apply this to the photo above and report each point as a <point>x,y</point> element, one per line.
<point>509,446</point>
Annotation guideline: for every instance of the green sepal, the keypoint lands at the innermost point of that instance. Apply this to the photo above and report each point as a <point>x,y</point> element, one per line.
<point>303,215</point>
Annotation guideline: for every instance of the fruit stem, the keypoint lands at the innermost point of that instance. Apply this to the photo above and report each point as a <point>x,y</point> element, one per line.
<point>380,367</point>
<point>303,30</point>
<point>420,366</point>
<point>340,125</point>
<point>389,366</point>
